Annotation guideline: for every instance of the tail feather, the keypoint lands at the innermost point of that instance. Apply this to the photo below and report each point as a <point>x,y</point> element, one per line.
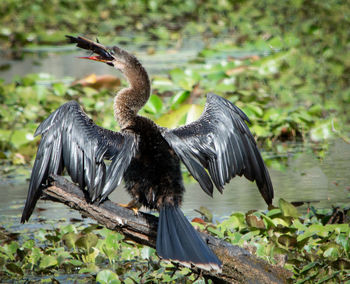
<point>177,240</point>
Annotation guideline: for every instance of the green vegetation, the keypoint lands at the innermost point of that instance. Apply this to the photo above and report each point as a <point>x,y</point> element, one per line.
<point>294,85</point>
<point>92,251</point>
<point>312,247</point>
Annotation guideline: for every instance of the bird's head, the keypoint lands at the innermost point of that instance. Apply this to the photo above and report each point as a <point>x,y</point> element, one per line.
<point>114,56</point>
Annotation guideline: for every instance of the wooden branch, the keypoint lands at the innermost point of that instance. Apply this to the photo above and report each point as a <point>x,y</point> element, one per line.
<point>239,266</point>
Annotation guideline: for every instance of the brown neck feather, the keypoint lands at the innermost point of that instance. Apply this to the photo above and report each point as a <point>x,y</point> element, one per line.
<point>130,100</point>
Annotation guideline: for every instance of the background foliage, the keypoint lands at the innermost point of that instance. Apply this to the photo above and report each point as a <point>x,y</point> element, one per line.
<point>294,84</point>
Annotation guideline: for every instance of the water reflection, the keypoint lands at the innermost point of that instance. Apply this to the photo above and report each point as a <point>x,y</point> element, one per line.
<point>305,178</point>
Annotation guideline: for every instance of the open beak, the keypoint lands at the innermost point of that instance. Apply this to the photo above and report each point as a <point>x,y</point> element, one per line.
<point>95,58</point>
<point>104,55</point>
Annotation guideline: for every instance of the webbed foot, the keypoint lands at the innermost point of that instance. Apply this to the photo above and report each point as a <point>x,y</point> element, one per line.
<point>133,205</point>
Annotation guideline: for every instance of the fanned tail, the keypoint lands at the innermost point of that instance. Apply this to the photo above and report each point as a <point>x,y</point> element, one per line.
<point>177,240</point>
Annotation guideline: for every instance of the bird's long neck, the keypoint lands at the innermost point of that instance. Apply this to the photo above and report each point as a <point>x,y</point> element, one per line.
<point>130,100</point>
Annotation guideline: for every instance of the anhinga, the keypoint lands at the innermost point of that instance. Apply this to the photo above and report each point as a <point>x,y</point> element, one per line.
<point>215,148</point>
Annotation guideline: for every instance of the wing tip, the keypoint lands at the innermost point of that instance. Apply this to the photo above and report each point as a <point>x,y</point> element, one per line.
<point>208,189</point>
<point>27,212</point>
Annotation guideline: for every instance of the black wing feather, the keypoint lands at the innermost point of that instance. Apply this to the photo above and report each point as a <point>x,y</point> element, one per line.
<point>71,140</point>
<point>221,142</point>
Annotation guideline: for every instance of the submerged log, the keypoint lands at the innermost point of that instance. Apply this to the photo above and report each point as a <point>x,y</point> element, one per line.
<point>239,265</point>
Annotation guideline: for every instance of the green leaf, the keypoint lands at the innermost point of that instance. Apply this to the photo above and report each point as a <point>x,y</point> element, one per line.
<point>29,244</point>
<point>328,277</point>
<point>276,43</point>
<point>47,261</point>
<point>268,221</point>
<point>154,105</point>
<point>185,79</point>
<point>174,118</point>
<point>332,253</point>
<point>35,256</point>
<point>59,89</point>
<point>288,209</point>
<point>68,229</point>
<point>21,137</point>
<point>178,99</point>
<point>90,228</point>
<point>235,221</point>
<point>147,252</point>
<point>3,259</point>
<point>250,235</point>
<point>308,267</point>
<point>10,249</point>
<point>306,235</point>
<point>75,262</point>
<point>69,239</point>
<point>316,110</point>
<point>107,277</point>
<point>274,212</point>
<point>87,241</point>
<point>215,231</point>
<point>62,256</point>
<point>90,258</point>
<point>260,131</point>
<point>321,132</point>
<point>344,241</point>
<point>162,84</point>
<point>253,111</point>
<point>194,112</point>
<point>177,74</point>
<point>41,92</point>
<point>14,268</point>
<point>91,268</point>
<point>204,211</point>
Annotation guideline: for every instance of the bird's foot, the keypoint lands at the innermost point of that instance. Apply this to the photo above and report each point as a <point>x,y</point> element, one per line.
<point>132,205</point>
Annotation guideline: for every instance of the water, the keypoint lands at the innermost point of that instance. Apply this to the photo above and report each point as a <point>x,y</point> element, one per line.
<point>306,178</point>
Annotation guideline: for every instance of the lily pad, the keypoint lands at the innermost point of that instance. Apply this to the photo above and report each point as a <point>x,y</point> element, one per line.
<point>107,277</point>
<point>48,261</point>
<point>14,268</point>
<point>288,209</point>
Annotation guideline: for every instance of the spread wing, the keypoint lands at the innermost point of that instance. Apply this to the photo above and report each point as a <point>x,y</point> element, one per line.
<point>220,141</point>
<point>71,140</point>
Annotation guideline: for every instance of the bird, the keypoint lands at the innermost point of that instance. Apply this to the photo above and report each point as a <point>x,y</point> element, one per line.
<point>214,148</point>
